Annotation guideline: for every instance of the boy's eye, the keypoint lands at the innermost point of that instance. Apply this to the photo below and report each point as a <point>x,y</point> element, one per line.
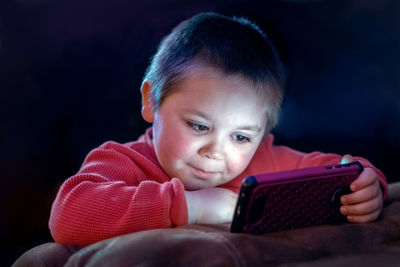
<point>197,127</point>
<point>241,138</point>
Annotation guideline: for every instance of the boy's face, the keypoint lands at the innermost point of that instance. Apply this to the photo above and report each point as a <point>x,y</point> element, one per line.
<point>206,132</point>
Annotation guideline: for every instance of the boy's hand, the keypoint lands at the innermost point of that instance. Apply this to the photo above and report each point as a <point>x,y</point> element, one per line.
<point>211,205</point>
<point>365,203</point>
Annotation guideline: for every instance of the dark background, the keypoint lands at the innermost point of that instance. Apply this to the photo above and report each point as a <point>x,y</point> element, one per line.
<point>70,73</point>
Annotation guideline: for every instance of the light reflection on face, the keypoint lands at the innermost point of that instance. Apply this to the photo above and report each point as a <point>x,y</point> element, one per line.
<point>206,132</point>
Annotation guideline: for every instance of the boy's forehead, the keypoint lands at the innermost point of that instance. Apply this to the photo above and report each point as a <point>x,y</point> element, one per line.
<point>196,71</point>
<point>202,74</point>
<point>199,65</point>
<point>205,85</point>
<point>202,79</point>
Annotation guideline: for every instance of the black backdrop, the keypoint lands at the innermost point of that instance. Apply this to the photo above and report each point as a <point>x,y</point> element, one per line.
<point>70,73</point>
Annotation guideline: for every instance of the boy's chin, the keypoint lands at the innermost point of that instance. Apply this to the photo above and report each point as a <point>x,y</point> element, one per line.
<point>193,186</point>
<point>192,182</point>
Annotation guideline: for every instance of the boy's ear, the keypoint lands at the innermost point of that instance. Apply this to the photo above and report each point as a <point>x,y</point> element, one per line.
<point>147,104</point>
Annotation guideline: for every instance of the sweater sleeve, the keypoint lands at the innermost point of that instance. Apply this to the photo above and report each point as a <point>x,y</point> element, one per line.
<point>117,191</point>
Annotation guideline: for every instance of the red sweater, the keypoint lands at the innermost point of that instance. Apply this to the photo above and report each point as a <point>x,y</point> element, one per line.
<point>121,188</point>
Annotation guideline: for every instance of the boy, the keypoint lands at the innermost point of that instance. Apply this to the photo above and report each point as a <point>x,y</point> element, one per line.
<point>212,92</point>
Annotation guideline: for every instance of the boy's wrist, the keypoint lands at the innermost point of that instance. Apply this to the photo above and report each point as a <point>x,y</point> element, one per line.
<point>191,206</point>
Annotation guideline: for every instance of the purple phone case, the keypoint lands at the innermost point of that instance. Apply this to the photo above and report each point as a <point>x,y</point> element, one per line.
<point>293,199</point>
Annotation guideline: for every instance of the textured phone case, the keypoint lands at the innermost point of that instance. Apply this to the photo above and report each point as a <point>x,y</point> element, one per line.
<point>293,199</point>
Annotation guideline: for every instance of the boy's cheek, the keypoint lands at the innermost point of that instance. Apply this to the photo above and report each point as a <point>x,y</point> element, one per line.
<point>239,161</point>
<point>178,151</point>
<point>176,143</point>
<point>185,145</point>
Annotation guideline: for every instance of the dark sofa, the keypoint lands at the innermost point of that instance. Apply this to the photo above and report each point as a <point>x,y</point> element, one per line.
<point>372,244</point>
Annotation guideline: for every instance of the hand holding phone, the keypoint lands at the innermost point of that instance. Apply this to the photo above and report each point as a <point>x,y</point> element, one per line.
<point>293,199</point>
<point>210,205</point>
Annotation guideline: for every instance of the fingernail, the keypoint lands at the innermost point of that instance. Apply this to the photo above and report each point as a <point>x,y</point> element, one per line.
<point>353,187</point>
<point>346,159</point>
<point>343,210</point>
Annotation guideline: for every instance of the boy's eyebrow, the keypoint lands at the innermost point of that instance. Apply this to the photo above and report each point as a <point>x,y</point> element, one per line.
<point>254,128</point>
<point>251,128</point>
<point>197,112</point>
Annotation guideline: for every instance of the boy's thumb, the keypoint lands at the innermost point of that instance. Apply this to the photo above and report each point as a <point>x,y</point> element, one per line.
<point>346,159</point>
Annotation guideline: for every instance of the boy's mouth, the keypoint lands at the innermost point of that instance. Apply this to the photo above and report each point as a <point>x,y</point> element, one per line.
<point>200,173</point>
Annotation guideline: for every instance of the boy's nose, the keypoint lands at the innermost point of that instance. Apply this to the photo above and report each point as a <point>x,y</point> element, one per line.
<point>213,150</point>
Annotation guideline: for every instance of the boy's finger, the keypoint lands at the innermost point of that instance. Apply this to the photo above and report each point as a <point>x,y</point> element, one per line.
<point>362,208</point>
<point>364,218</point>
<point>366,178</point>
<point>362,195</point>
<point>346,159</point>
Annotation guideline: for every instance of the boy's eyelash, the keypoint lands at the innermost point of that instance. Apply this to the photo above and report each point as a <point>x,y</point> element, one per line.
<point>243,139</point>
<point>197,127</point>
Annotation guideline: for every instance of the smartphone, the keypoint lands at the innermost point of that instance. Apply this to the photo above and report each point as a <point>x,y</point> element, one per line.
<point>293,199</point>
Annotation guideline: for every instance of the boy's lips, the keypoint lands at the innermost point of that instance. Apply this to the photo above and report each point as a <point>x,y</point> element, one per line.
<point>202,173</point>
